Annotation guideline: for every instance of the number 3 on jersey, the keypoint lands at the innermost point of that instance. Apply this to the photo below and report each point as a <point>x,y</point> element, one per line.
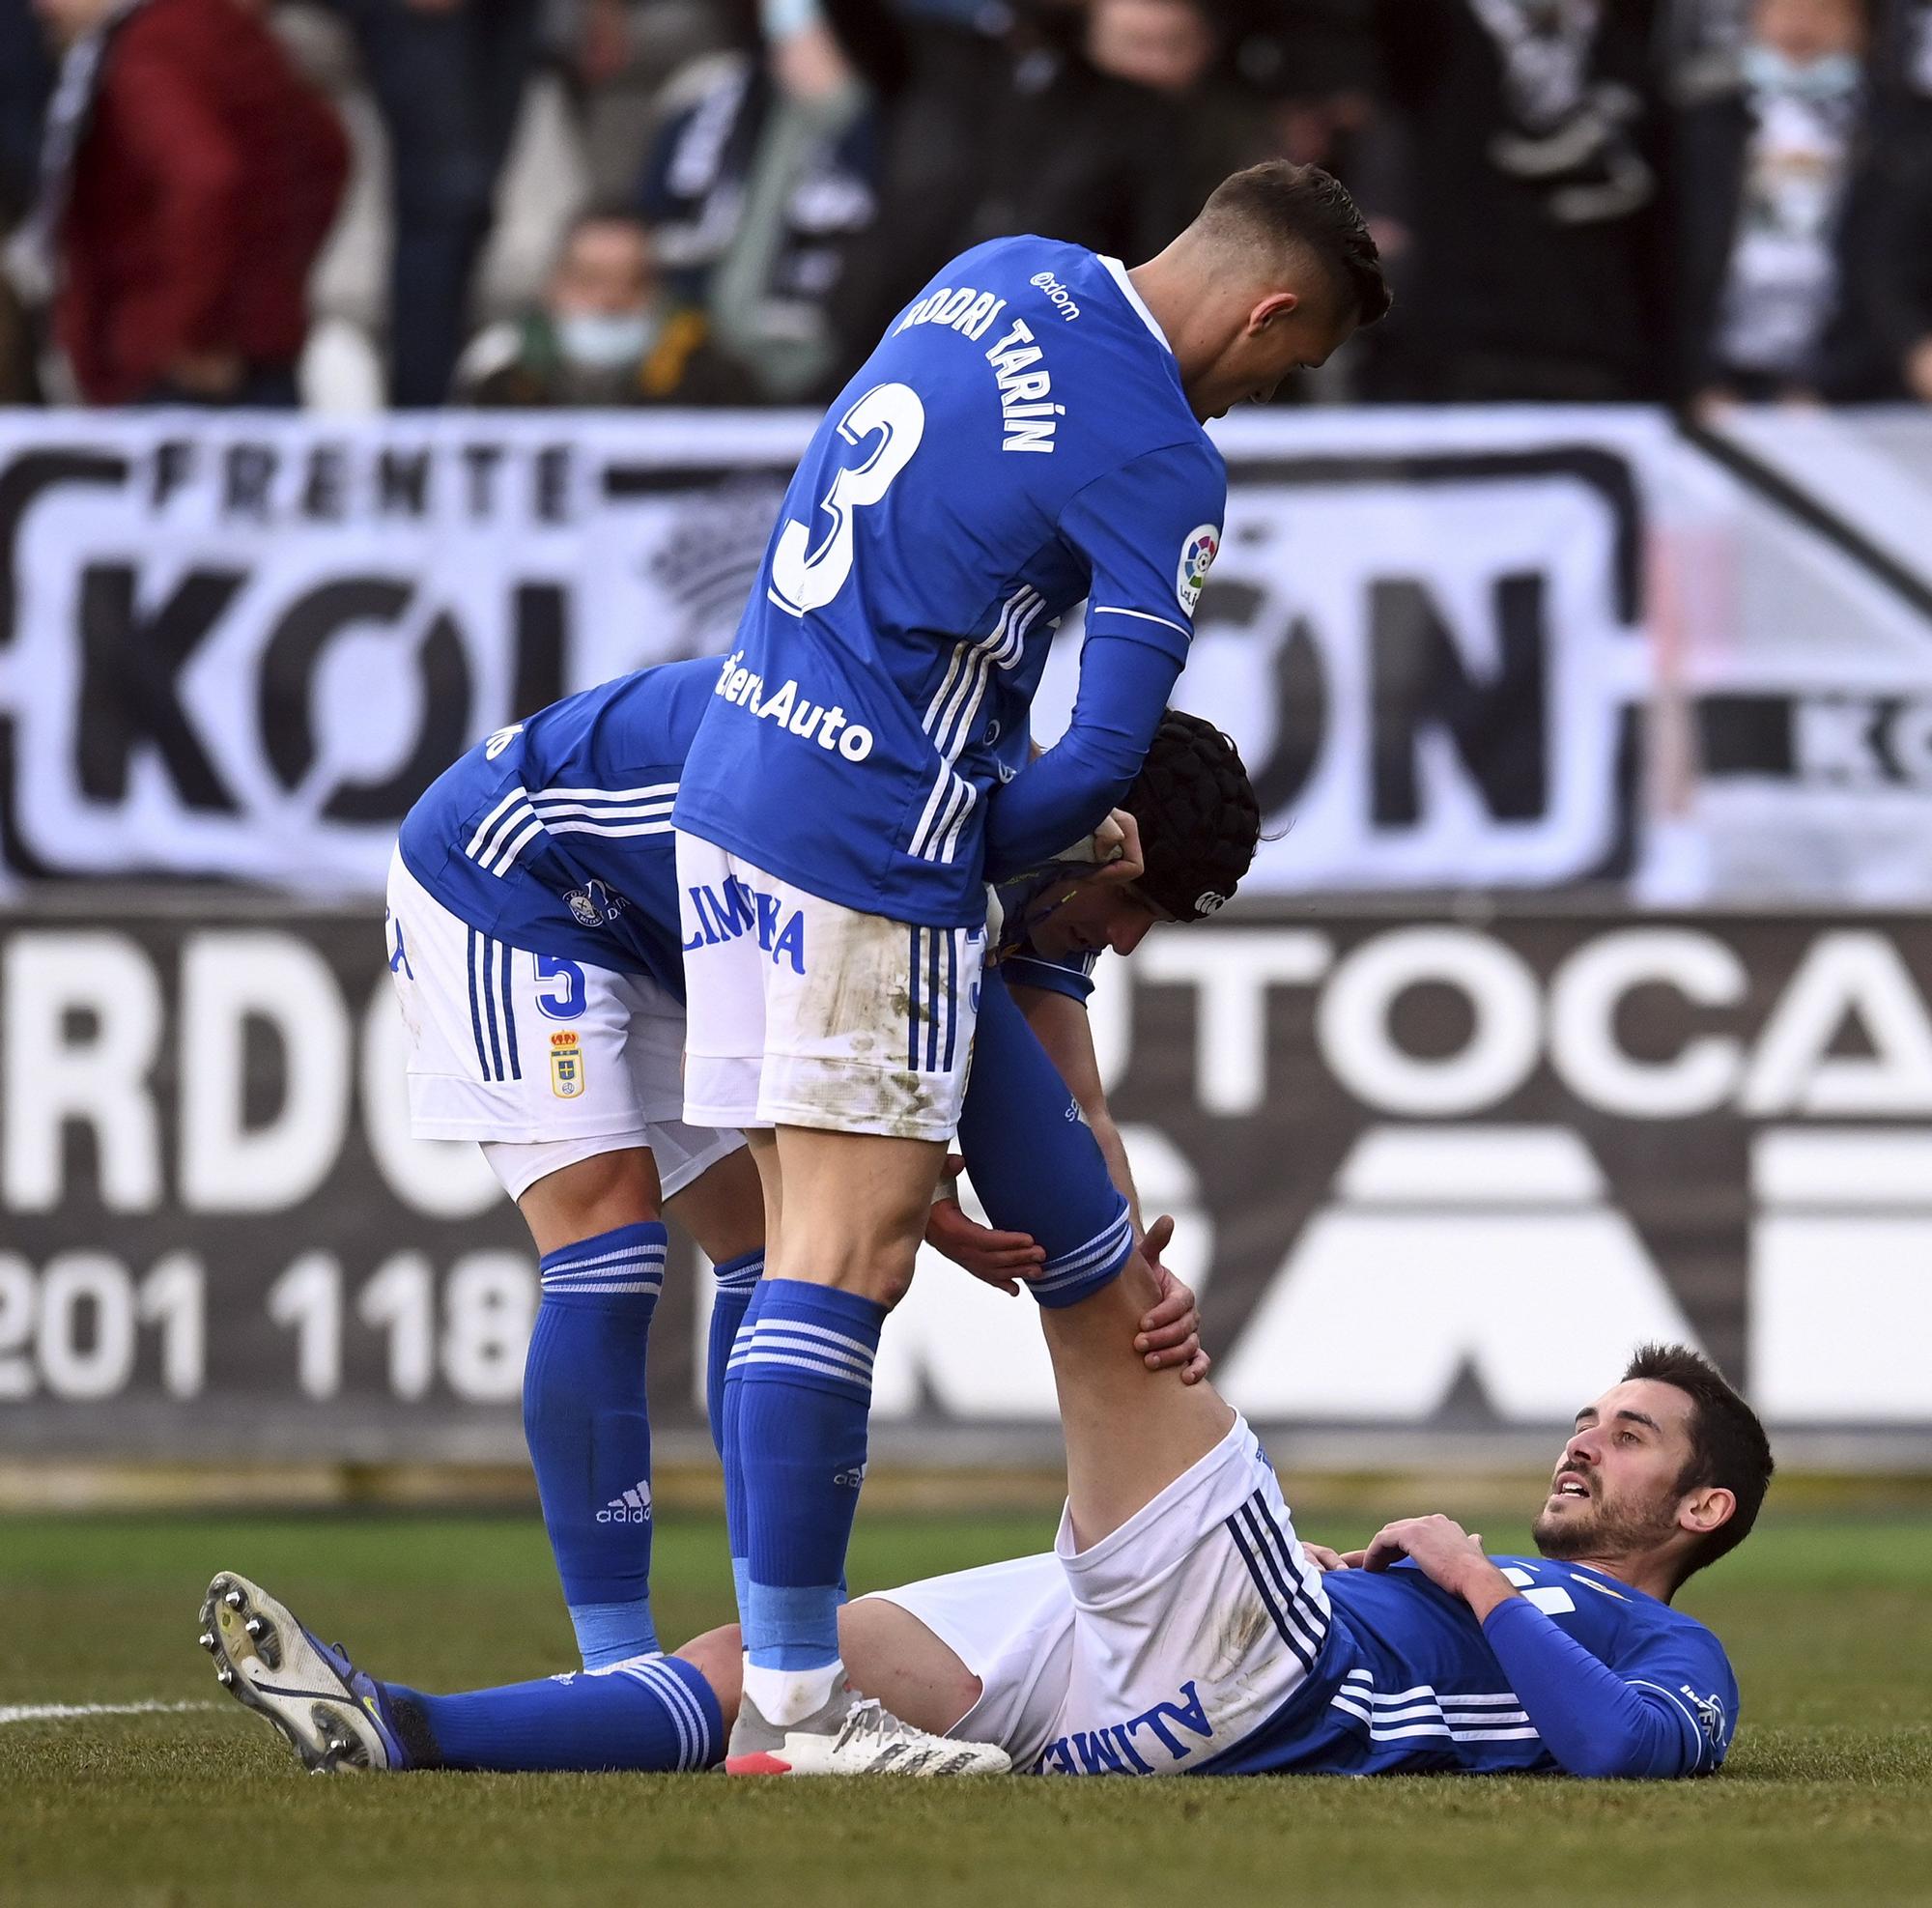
<point>804,579</point>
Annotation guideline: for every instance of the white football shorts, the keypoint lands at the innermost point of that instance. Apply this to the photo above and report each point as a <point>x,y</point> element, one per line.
<point>1156,1651</point>
<point>807,1013</point>
<point>544,1060</point>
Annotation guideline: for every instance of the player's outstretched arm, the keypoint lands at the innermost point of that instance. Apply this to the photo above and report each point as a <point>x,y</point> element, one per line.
<point>1063,796</point>
<point>1595,1720</point>
<point>1149,530</point>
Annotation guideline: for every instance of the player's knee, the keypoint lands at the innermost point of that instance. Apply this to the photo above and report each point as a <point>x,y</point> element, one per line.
<point>592,1196</point>
<point>872,1254</point>
<point>884,1276</point>
<point>724,1209</point>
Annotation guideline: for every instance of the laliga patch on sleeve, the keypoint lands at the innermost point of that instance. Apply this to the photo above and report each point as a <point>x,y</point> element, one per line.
<point>1197,558</point>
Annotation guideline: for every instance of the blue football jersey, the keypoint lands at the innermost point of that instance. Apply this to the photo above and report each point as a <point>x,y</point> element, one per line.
<point>1018,441</point>
<point>1406,1682</point>
<point>554,835</point>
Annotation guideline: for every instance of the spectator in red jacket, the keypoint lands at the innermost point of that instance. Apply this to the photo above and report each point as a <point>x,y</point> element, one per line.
<point>199,193</point>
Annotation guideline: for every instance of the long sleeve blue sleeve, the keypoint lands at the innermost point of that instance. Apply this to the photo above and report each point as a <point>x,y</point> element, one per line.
<point>1591,1719</point>
<point>1063,795</point>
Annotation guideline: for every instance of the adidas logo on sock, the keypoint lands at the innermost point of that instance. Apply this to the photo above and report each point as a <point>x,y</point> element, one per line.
<point>632,1507</point>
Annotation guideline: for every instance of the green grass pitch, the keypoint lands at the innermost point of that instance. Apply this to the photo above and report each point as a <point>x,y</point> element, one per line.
<point>1828,1797</point>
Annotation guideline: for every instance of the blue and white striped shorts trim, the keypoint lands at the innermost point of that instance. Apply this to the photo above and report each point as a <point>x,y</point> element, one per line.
<point>493,1011</point>
<point>793,1345</point>
<point>940,963</point>
<point>1297,1611</point>
<point>1081,1273</point>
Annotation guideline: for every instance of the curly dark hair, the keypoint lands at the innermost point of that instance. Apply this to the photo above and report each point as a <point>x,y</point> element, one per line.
<point>1198,815</point>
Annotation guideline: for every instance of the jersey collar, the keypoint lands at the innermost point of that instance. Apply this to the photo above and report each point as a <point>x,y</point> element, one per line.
<point>1118,272</point>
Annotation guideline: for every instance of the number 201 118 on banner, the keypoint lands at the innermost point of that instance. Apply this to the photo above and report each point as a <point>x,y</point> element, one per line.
<point>76,1328</point>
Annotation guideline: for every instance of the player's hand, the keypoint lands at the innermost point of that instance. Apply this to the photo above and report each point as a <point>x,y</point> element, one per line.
<point>997,1257</point>
<point>1170,1332</point>
<point>1325,1560</point>
<point>1451,1558</point>
<point>1116,850</point>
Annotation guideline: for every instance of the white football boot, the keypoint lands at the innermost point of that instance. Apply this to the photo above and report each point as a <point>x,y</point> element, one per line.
<point>851,1736</point>
<point>330,1710</point>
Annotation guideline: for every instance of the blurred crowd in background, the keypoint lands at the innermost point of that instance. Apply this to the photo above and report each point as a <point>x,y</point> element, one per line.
<point>352,204</point>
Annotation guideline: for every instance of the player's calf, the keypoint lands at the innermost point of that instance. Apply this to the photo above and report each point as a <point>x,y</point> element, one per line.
<point>652,1714</point>
<point>587,1424</point>
<point>1035,1162</point>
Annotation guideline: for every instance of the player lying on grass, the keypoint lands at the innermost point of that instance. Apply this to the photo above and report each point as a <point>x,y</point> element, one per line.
<point>533,938</point>
<point>1179,1626</point>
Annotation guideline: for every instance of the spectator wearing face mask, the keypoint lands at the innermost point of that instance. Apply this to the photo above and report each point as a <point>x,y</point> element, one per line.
<point>605,333</point>
<point>1779,215</point>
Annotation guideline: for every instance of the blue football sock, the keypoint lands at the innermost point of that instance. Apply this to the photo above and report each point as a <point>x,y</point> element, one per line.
<point>654,1714</point>
<point>1034,1163</point>
<point>737,1280</point>
<point>803,1393</point>
<point>727,1399</point>
<point>585,1419</point>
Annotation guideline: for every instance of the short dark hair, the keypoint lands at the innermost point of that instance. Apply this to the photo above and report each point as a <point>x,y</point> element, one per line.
<point>1728,1448</point>
<point>1197,816</point>
<point>1310,207</point>
<point>605,212</point>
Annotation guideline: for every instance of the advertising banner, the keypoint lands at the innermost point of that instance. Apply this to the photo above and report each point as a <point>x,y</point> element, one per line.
<point>1513,648</point>
<point>1434,1179</point>
<point>240,647</point>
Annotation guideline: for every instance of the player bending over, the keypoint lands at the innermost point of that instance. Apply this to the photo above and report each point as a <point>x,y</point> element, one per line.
<point>1177,1627</point>
<point>1027,434</point>
<point>534,943</point>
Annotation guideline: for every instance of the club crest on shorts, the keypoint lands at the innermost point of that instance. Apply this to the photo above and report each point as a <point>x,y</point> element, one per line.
<point>566,1067</point>
<point>1197,558</point>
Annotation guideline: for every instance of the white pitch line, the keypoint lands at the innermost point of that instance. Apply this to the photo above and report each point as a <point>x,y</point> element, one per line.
<point>59,1712</point>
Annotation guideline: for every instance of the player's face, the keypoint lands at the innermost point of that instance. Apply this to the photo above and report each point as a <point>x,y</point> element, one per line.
<point>607,270</point>
<point>1081,914</point>
<point>1615,1492</point>
<point>1808,29</point>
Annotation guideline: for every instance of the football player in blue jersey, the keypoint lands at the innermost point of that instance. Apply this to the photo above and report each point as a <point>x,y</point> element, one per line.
<point>533,939</point>
<point>1179,1626</point>
<point>1028,433</point>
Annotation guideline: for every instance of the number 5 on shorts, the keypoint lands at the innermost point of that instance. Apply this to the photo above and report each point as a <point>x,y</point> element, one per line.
<point>805,578</point>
